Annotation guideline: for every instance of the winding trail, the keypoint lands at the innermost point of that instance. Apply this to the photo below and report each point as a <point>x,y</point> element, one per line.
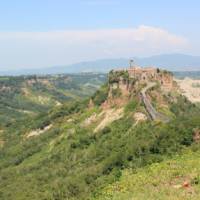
<point>149,108</point>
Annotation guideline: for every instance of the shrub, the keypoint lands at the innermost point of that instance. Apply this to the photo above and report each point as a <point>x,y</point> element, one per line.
<point>101,95</point>
<point>131,106</point>
<point>116,92</point>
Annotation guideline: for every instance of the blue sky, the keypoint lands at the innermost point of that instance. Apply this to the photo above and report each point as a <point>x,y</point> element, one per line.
<point>42,33</point>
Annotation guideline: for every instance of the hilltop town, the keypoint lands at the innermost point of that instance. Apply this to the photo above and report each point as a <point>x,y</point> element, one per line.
<point>130,81</point>
<point>134,83</point>
<point>148,74</point>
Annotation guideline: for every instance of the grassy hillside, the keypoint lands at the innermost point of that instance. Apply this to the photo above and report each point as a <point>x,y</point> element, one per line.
<point>75,150</point>
<point>24,96</point>
<point>177,178</point>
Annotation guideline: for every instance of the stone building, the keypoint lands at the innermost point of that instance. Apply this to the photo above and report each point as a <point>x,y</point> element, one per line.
<point>151,74</point>
<point>142,73</point>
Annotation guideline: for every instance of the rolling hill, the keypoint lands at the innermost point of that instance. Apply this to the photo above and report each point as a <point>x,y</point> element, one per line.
<point>172,62</point>
<point>101,147</point>
<point>24,96</point>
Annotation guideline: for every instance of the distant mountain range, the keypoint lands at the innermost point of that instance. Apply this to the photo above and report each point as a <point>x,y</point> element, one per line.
<point>172,62</point>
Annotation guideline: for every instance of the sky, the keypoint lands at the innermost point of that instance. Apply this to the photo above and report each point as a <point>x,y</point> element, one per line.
<point>43,33</point>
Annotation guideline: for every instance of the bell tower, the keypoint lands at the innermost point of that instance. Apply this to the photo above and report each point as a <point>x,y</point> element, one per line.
<point>131,63</point>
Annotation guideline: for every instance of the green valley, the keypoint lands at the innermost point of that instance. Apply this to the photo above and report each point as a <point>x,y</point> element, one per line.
<point>27,96</point>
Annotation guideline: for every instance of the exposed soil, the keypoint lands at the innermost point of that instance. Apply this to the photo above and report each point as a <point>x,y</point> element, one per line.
<point>139,117</point>
<point>109,116</point>
<point>38,131</point>
<point>190,88</point>
<point>90,120</point>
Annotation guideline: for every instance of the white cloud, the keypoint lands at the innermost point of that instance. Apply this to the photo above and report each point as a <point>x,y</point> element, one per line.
<point>36,49</point>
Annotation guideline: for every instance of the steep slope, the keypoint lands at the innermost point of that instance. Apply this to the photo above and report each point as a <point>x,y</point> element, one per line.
<point>84,146</point>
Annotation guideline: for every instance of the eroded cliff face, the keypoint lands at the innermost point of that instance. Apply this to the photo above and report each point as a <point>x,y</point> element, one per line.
<point>124,85</point>
<point>120,90</point>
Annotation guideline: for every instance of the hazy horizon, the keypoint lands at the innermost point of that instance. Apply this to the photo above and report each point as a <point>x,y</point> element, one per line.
<point>96,60</point>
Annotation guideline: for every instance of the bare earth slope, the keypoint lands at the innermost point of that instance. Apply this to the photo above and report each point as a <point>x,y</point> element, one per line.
<point>190,88</point>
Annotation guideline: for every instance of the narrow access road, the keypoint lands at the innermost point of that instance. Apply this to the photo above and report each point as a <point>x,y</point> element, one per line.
<point>149,108</point>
